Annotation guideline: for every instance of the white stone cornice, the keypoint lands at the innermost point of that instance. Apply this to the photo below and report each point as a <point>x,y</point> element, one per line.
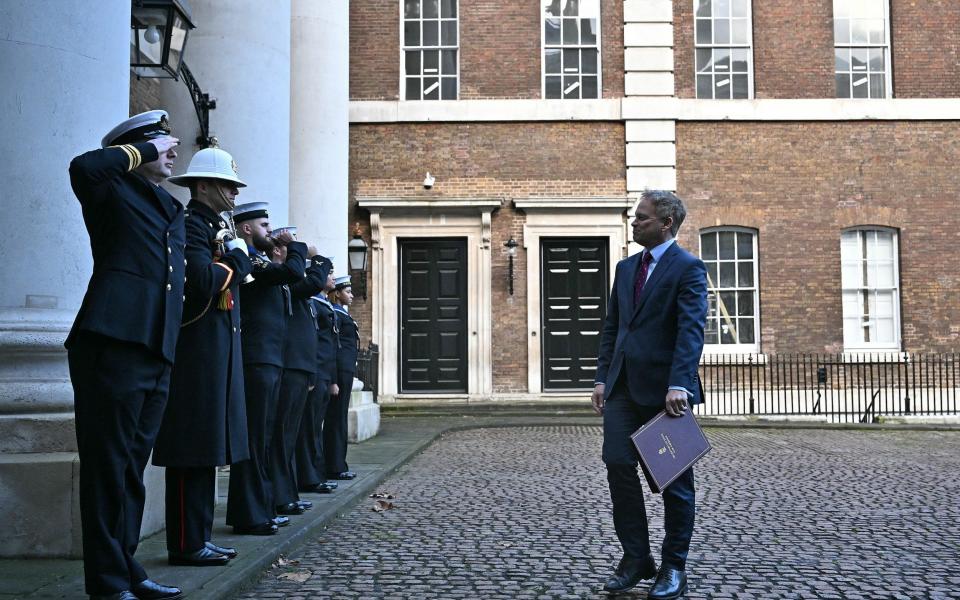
<point>376,111</point>
<point>813,109</point>
<point>615,204</point>
<point>380,204</point>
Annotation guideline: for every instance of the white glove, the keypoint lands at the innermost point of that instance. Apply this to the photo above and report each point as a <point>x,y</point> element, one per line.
<point>242,245</point>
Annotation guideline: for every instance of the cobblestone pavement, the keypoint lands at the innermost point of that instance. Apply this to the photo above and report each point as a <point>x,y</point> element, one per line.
<point>524,513</point>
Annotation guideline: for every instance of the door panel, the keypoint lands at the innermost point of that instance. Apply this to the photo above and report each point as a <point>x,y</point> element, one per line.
<point>573,305</point>
<point>433,315</point>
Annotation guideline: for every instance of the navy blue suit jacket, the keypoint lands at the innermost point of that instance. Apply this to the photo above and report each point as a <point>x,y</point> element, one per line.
<point>656,343</point>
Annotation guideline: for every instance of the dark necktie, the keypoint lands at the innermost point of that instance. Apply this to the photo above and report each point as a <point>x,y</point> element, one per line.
<point>645,261</point>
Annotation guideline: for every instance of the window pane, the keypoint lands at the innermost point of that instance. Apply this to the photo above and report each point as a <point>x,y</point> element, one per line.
<point>413,88</point>
<point>551,57</point>
<point>430,10</point>
<point>711,274</point>
<point>876,33</point>
<point>704,59</point>
<point>721,60</point>
<point>858,59</point>
<point>431,33</point>
<point>448,88</point>
<point>703,31</point>
<point>728,305</point>
<point>554,87</point>
<point>551,31</point>
<point>843,85</point>
<point>877,89</point>
<point>571,33</point>
<point>588,29</point>
<point>449,31</point>
<point>708,246</point>
<point>876,60</point>
<point>704,86</point>
<point>571,87</point>
<point>858,31</point>
<point>590,9</point>
<point>412,62</point>
<point>411,33</point>
<point>571,61</point>
<point>721,31</point>
<point>727,332</point>
<point>859,86</point>
<point>745,304</point>
<point>431,88</point>
<point>449,60</point>
<point>448,8</point>
<point>740,8</point>
<point>571,8</point>
<point>842,59</point>
<point>728,275</point>
<point>740,87</point>
<point>739,35</point>
<point>589,87</point>
<point>703,8</point>
<point>721,8</point>
<point>411,9</point>
<point>746,331</point>
<point>727,243</point>
<point>841,31</point>
<point>551,7</point>
<point>588,60</point>
<point>745,273</point>
<point>431,62</point>
<point>740,60</point>
<point>744,246</point>
<point>722,87</point>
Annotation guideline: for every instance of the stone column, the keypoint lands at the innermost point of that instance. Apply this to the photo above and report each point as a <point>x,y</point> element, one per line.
<point>65,69</point>
<point>240,54</point>
<point>320,128</point>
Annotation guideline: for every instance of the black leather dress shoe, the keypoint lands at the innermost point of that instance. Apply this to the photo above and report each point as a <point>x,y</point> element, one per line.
<point>259,529</point>
<point>630,572</point>
<point>290,509</point>
<point>326,487</point>
<point>345,475</point>
<point>204,557</point>
<point>117,596</point>
<point>305,504</point>
<point>151,590</point>
<point>228,552</point>
<point>280,521</point>
<point>671,583</point>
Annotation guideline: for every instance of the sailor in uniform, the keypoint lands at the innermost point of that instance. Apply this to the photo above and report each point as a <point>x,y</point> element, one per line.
<point>335,425</point>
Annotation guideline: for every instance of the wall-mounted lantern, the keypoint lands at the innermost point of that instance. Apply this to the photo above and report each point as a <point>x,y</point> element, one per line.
<point>357,257</point>
<point>511,246</point>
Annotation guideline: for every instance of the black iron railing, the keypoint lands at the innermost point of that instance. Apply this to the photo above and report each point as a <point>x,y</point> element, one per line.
<point>368,369</point>
<point>839,387</point>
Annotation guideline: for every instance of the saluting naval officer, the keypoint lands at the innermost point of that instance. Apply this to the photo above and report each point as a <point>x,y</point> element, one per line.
<point>299,375</point>
<point>205,424</point>
<point>264,311</point>
<point>335,425</point>
<point>122,344</point>
<point>310,464</point>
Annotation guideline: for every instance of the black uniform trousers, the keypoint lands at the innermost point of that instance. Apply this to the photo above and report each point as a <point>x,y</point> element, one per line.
<point>335,426</point>
<point>309,462</point>
<point>120,391</point>
<point>294,387</point>
<point>621,417</point>
<point>190,500</point>
<point>250,497</point>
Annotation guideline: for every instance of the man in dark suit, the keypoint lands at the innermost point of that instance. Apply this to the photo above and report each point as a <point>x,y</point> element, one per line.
<point>265,311</point>
<point>205,424</point>
<point>122,344</point>
<point>649,352</point>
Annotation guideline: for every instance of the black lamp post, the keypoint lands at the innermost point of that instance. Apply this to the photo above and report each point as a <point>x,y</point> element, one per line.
<point>511,245</point>
<point>357,257</point>
<point>158,39</point>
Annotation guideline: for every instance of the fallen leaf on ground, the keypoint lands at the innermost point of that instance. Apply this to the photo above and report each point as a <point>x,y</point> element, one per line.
<point>386,495</point>
<point>284,562</point>
<point>298,576</point>
<point>381,505</point>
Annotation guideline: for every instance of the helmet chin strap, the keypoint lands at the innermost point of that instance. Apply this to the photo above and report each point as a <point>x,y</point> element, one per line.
<point>220,200</point>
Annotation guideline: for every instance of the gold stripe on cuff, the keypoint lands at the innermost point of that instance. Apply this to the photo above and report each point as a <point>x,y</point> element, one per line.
<point>226,283</point>
<point>129,156</point>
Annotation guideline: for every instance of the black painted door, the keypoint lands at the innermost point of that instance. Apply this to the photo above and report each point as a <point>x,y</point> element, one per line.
<point>574,290</point>
<point>433,315</point>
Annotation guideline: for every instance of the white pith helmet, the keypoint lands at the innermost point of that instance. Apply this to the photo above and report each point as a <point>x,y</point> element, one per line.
<point>209,163</point>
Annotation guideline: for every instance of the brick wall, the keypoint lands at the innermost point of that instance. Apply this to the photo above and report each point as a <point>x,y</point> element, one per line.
<point>144,95</point>
<point>488,160</point>
<point>926,50</point>
<point>800,184</point>
<point>499,49</point>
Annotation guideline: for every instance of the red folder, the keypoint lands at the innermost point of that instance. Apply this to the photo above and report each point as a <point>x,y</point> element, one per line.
<point>668,446</point>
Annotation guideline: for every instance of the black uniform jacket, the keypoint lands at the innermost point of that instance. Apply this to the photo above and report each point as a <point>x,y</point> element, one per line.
<point>300,348</point>
<point>205,423</point>
<point>266,307</point>
<point>137,236</point>
<point>328,339</point>
<point>349,342</point>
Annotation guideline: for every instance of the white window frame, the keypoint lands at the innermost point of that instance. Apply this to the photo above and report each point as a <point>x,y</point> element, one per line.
<point>748,348</point>
<point>440,47</point>
<point>885,46</point>
<point>858,346</point>
<point>543,55</point>
<point>748,46</point>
